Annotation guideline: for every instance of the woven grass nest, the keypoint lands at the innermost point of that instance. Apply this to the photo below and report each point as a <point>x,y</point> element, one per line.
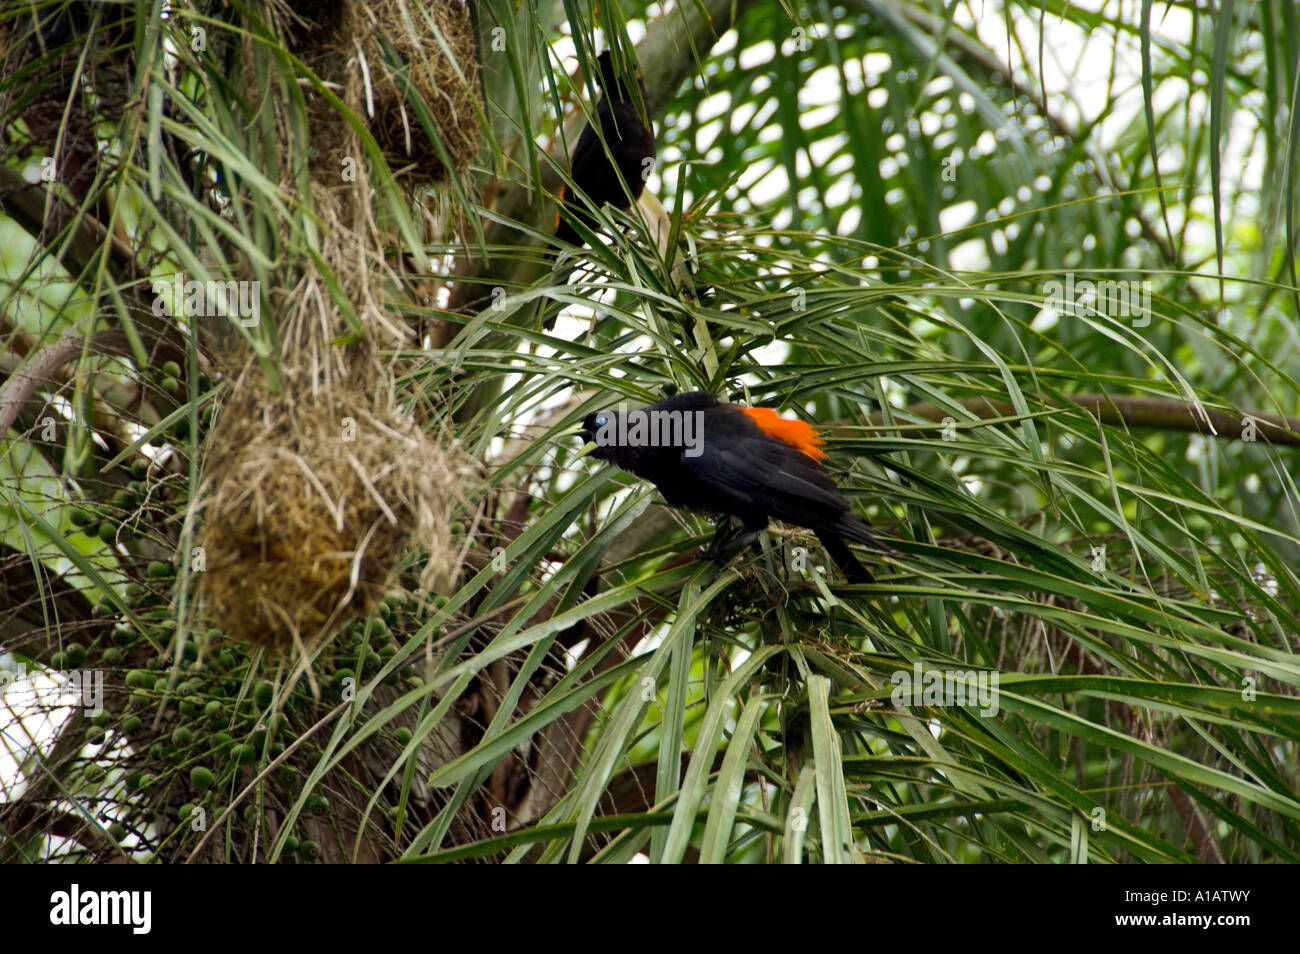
<point>311,503</point>
<point>318,488</point>
<point>380,55</point>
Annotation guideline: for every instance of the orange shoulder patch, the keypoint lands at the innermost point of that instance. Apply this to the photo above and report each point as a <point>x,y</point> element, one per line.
<point>800,435</point>
<point>564,197</point>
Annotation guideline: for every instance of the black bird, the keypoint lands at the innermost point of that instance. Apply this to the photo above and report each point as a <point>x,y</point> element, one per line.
<point>631,142</point>
<point>747,463</point>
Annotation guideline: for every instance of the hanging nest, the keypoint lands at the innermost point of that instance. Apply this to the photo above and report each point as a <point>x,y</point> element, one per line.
<point>318,487</point>
<point>382,57</point>
<point>317,492</point>
<point>315,500</point>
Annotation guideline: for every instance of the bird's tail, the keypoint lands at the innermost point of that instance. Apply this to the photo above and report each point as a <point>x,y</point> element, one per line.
<point>858,530</point>
<point>839,551</point>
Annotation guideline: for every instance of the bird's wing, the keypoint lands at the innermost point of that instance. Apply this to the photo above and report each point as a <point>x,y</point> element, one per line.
<point>587,155</point>
<point>771,476</point>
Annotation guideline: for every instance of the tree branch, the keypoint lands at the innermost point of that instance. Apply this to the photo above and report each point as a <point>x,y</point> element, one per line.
<point>39,369</point>
<point>1143,413</point>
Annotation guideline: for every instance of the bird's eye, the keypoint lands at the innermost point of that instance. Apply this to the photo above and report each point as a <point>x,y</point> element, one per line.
<point>602,420</point>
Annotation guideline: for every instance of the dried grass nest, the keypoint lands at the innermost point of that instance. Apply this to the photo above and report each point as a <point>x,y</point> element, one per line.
<point>316,492</point>
<point>376,53</point>
<point>311,501</point>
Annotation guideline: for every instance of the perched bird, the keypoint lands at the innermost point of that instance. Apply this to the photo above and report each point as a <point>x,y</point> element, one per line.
<point>742,462</point>
<point>630,141</point>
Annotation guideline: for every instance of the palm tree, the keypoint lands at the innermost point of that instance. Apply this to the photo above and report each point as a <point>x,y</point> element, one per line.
<point>1038,289</point>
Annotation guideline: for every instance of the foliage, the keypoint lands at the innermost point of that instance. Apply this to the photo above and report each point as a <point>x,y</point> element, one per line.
<point>590,690</point>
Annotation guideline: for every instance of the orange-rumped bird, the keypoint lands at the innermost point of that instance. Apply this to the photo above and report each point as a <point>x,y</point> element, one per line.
<point>743,462</point>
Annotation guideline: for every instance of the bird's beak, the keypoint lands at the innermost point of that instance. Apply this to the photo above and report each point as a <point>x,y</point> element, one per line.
<point>570,431</point>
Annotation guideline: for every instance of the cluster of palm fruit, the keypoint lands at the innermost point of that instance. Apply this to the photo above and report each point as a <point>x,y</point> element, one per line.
<point>202,720</point>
